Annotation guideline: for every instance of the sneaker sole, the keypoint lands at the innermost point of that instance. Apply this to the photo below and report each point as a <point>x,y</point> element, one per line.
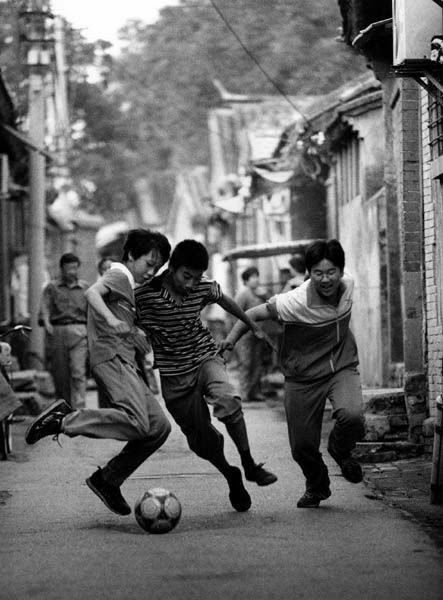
<point>324,496</point>
<point>270,481</point>
<point>103,499</point>
<point>245,504</point>
<point>43,415</point>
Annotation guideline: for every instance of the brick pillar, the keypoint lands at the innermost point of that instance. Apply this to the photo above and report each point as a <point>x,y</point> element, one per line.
<point>407,152</point>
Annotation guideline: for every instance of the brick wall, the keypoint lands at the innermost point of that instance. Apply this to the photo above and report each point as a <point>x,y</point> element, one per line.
<point>407,149</point>
<point>432,236</point>
<point>407,156</point>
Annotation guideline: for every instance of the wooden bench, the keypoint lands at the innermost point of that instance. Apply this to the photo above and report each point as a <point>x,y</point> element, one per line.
<point>8,404</point>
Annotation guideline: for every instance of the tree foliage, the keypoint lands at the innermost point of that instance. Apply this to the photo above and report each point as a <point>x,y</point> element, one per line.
<point>167,70</point>
<point>147,109</point>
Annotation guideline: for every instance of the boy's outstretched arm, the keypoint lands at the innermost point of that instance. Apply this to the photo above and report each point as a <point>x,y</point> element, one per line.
<point>231,306</point>
<point>258,313</point>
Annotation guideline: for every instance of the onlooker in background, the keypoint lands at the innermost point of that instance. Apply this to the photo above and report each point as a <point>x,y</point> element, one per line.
<point>63,315</point>
<point>298,266</point>
<point>250,349</point>
<point>284,275</point>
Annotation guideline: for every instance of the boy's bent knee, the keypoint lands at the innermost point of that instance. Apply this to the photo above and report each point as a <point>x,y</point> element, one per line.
<point>232,418</point>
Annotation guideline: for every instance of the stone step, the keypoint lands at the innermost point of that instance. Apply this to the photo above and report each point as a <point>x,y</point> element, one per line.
<point>384,401</point>
<point>373,452</point>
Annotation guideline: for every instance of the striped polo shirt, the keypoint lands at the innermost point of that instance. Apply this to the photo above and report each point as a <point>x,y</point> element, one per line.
<point>317,340</point>
<point>179,339</point>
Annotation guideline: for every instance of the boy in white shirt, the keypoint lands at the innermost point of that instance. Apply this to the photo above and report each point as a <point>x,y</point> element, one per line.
<point>134,415</point>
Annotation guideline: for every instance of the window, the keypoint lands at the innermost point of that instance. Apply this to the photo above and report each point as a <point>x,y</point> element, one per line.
<point>436,124</point>
<point>347,169</point>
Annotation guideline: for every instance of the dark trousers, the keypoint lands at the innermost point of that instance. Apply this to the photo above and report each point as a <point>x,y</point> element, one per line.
<point>187,397</point>
<point>304,406</point>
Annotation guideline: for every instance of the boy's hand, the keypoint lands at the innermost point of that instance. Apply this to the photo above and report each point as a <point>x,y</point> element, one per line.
<point>141,342</point>
<point>258,332</point>
<point>224,346</point>
<point>119,326</point>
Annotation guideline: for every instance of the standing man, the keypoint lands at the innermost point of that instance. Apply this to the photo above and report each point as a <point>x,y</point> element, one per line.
<point>63,312</point>
<point>319,360</point>
<point>250,349</point>
<point>133,414</point>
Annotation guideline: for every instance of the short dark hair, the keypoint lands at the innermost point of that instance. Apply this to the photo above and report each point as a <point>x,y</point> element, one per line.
<point>68,258</point>
<point>248,273</point>
<point>163,245</point>
<point>330,249</point>
<point>298,263</point>
<point>102,261</point>
<point>139,242</point>
<point>191,254</point>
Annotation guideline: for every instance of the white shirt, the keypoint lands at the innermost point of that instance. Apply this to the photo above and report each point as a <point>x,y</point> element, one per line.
<point>124,269</point>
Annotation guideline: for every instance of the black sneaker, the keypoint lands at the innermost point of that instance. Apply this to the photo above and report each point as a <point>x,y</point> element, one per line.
<point>312,499</point>
<point>109,494</point>
<point>260,475</point>
<point>48,422</point>
<point>238,494</point>
<point>351,470</point>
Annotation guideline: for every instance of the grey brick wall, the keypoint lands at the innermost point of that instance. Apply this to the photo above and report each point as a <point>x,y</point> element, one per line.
<point>433,323</point>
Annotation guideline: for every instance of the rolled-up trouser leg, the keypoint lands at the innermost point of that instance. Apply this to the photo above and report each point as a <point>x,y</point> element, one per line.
<point>185,402</point>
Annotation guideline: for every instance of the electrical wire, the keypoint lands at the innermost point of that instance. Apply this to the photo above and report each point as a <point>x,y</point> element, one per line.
<point>257,62</point>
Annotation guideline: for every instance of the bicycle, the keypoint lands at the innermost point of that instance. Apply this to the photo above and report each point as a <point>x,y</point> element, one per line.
<point>8,401</point>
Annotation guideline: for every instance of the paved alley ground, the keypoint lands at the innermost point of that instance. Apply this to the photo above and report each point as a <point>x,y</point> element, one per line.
<point>59,542</point>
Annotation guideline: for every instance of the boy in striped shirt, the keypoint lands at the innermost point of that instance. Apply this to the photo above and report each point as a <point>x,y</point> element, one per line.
<point>192,372</point>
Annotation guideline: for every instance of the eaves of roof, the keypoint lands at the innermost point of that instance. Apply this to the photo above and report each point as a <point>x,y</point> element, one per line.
<point>351,91</point>
<point>354,108</point>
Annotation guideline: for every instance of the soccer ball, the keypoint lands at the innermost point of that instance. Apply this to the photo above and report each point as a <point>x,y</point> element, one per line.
<point>158,511</point>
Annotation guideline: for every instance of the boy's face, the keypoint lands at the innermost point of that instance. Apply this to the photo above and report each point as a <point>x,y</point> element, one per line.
<point>326,278</point>
<point>144,267</point>
<point>185,278</point>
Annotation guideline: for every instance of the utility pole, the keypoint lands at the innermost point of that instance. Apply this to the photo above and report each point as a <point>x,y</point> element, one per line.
<point>37,216</point>
<point>36,18</point>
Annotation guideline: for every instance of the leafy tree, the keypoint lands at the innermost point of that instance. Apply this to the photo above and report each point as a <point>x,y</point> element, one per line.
<point>147,109</point>
<point>167,70</point>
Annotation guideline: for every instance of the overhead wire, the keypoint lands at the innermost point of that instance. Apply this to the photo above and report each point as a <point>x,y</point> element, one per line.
<point>279,89</point>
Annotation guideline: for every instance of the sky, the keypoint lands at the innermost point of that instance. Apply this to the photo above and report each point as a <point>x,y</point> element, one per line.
<point>101,19</point>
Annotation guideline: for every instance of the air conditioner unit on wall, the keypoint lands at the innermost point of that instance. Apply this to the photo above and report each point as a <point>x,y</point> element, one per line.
<point>414,24</point>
